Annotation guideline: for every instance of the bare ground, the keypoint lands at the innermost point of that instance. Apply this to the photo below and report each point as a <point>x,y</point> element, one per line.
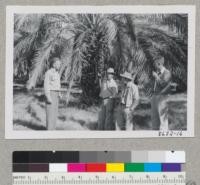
<point>29,113</point>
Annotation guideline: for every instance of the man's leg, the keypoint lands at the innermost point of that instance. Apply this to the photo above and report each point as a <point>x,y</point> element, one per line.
<point>52,112</point>
<point>109,122</point>
<point>101,118</point>
<point>163,113</point>
<point>128,119</point>
<point>155,117</point>
<point>120,121</point>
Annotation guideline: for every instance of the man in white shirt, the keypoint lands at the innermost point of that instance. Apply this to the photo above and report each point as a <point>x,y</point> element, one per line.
<point>108,93</point>
<point>52,92</point>
<point>129,101</point>
<point>159,107</point>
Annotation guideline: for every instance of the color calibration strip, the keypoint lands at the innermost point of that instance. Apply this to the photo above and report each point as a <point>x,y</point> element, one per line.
<point>94,168</point>
<point>98,167</point>
<point>99,157</point>
<point>92,161</point>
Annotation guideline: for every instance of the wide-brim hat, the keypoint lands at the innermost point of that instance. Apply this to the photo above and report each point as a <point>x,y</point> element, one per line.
<point>160,60</point>
<point>110,71</point>
<point>127,75</point>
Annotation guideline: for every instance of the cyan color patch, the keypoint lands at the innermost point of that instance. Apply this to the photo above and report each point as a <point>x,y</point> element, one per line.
<point>152,167</point>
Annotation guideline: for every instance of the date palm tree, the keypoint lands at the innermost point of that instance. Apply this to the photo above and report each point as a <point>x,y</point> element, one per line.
<point>89,43</point>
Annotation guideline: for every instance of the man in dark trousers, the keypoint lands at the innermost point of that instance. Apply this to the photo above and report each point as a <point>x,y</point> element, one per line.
<point>159,107</point>
<point>52,93</point>
<point>128,102</point>
<point>108,93</point>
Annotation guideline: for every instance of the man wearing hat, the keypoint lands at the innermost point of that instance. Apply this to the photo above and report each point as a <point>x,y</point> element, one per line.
<point>108,93</point>
<point>129,101</point>
<point>159,108</point>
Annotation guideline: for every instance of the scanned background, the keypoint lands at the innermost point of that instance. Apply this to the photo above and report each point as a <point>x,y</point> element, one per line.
<point>190,145</point>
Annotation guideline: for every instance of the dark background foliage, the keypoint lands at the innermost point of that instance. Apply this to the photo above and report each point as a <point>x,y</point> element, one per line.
<point>90,43</point>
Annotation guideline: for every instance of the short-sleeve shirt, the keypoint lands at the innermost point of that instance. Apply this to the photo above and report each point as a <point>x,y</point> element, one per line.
<point>109,89</point>
<point>130,94</point>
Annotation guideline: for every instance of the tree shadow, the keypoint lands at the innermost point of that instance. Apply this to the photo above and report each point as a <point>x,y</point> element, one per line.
<point>90,125</point>
<point>144,105</point>
<point>30,125</point>
<point>74,104</point>
<point>62,118</point>
<point>142,122</point>
<point>40,98</point>
<point>32,113</point>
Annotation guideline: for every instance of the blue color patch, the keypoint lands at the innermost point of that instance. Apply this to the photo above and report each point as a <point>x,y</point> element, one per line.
<point>152,167</point>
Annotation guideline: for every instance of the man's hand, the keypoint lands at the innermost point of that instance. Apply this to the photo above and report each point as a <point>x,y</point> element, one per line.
<point>99,75</point>
<point>49,101</point>
<point>155,75</point>
<point>60,95</point>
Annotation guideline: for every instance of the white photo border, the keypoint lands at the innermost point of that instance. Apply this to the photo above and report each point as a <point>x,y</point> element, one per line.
<point>11,10</point>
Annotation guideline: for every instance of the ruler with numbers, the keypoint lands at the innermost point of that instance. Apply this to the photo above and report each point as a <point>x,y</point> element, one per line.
<point>98,168</point>
<point>177,178</point>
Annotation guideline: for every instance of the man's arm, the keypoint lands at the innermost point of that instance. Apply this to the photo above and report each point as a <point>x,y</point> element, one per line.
<point>135,99</point>
<point>165,82</point>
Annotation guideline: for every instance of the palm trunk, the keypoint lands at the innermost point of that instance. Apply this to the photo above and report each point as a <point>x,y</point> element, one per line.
<point>69,89</point>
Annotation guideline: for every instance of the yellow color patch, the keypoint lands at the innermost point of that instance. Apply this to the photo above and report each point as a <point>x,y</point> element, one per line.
<point>115,167</point>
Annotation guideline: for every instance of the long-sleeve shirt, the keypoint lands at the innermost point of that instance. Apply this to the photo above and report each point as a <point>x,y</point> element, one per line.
<point>130,94</point>
<point>51,81</point>
<point>109,89</point>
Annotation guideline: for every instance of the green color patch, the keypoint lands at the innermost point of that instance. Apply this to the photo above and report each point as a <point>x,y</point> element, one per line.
<point>134,167</point>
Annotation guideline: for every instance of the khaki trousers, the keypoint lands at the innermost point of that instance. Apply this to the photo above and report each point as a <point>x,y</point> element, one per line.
<point>159,112</point>
<point>106,115</point>
<point>52,111</point>
<point>124,118</point>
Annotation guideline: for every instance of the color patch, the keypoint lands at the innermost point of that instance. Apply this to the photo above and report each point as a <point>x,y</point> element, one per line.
<point>156,156</point>
<point>20,167</point>
<point>88,157</point>
<point>38,167</point>
<point>171,167</point>
<point>175,157</point>
<point>46,157</point>
<point>115,167</point>
<point>76,167</point>
<point>57,167</point>
<point>152,167</point>
<point>105,157</point>
<point>122,157</point>
<point>134,167</point>
<point>139,156</point>
<point>96,167</point>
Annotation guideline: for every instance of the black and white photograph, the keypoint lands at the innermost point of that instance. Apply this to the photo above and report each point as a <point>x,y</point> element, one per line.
<point>100,71</point>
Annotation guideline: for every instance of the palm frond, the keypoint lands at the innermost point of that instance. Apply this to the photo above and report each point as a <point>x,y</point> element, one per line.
<point>39,63</point>
<point>28,22</point>
<point>177,23</point>
<point>154,43</point>
<point>23,46</point>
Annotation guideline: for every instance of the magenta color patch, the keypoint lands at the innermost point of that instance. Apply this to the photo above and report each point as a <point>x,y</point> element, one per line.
<point>76,167</point>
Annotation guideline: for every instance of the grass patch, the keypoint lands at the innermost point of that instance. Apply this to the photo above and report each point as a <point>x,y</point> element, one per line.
<point>29,113</point>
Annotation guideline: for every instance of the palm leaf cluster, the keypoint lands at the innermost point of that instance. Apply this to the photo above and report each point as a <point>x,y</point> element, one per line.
<point>90,43</point>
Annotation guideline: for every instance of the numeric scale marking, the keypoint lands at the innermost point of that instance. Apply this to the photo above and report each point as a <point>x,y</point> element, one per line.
<point>98,168</point>
<point>177,178</point>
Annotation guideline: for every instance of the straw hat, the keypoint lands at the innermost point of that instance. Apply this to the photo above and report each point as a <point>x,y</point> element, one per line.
<point>127,75</point>
<point>110,71</point>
